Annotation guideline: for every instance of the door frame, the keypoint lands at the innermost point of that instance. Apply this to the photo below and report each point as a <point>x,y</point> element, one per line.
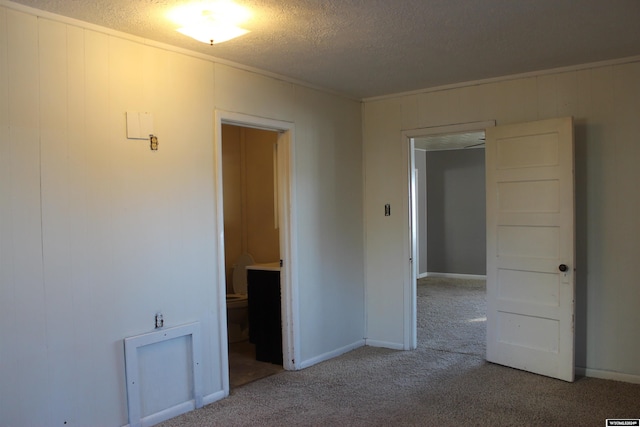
<point>287,232</point>
<point>410,296</point>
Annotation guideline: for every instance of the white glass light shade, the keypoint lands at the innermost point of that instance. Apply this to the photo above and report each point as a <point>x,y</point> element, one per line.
<point>211,21</point>
<point>209,33</point>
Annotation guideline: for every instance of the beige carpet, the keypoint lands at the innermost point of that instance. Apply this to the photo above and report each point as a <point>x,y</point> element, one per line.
<point>445,382</point>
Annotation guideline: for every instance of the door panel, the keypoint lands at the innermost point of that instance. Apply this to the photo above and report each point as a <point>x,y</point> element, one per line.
<point>530,233</point>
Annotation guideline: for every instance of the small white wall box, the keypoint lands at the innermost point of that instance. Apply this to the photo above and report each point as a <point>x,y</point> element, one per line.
<point>139,125</point>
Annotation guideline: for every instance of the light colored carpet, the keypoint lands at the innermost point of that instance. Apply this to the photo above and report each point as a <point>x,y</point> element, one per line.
<point>445,382</point>
<point>452,315</point>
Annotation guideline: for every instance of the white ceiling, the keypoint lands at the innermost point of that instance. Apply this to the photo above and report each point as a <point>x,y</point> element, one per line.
<point>450,141</point>
<point>368,48</point>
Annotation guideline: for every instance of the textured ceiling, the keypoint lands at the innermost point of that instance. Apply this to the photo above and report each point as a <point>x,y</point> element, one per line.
<point>367,48</point>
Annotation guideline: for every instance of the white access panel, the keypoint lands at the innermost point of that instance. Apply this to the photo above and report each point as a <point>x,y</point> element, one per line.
<point>164,342</point>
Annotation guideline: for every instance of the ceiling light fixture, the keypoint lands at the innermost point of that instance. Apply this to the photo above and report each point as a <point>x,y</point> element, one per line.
<point>211,22</point>
<point>213,34</point>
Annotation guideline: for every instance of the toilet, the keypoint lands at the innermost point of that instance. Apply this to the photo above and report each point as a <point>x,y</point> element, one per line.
<point>237,303</point>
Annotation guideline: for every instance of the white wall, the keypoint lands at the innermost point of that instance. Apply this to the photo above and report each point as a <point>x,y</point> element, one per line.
<point>329,191</point>
<point>456,219</point>
<point>605,102</point>
<point>97,232</point>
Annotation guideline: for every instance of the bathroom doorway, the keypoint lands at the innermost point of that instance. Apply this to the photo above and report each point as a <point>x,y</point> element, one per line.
<point>251,236</point>
<point>255,213</point>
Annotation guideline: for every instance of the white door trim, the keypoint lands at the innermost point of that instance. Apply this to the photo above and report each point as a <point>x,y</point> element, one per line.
<point>287,225</point>
<point>410,321</point>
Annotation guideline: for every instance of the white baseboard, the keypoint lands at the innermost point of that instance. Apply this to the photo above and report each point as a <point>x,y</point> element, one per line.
<point>177,410</point>
<point>167,414</point>
<point>455,276</point>
<point>385,344</point>
<point>331,354</point>
<point>421,275</point>
<point>608,375</point>
<point>213,397</point>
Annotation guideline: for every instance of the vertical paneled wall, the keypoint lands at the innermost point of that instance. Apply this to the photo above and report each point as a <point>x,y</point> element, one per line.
<point>98,232</point>
<point>329,193</point>
<point>23,302</point>
<point>605,102</point>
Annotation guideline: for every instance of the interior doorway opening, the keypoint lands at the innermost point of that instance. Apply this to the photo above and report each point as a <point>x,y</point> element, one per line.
<point>444,138</point>
<point>450,205</point>
<point>251,240</point>
<point>268,231</point>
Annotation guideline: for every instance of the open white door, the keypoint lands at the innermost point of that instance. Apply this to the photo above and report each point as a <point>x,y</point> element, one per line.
<point>530,247</point>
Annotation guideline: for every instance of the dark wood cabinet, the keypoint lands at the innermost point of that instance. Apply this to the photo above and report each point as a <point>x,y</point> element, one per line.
<point>265,318</point>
